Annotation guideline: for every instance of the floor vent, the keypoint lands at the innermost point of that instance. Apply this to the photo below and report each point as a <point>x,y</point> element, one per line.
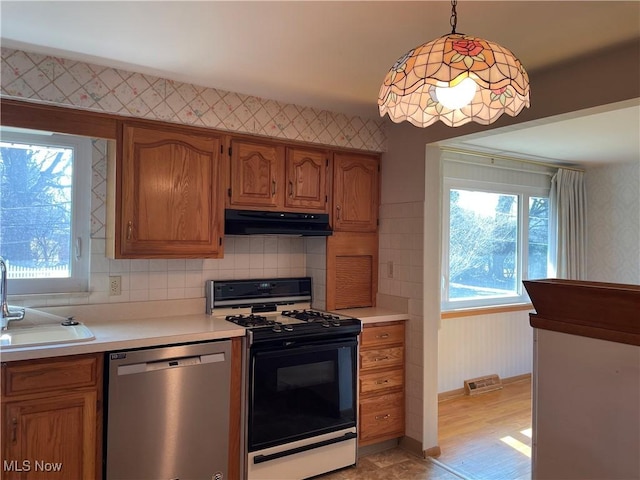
<point>484,384</point>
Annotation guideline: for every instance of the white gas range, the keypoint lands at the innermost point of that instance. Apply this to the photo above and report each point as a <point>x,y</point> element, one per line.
<point>301,378</point>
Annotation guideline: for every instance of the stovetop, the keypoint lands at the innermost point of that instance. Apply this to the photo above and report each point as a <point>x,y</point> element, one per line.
<point>257,320</point>
<point>275,309</point>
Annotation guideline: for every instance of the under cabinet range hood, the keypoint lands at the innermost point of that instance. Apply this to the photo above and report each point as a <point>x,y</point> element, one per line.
<point>253,222</point>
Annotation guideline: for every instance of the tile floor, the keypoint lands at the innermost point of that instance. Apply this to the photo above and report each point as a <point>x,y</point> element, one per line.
<point>395,464</point>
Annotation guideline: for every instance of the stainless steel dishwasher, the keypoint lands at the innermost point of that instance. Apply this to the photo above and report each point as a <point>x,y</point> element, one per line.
<point>168,413</point>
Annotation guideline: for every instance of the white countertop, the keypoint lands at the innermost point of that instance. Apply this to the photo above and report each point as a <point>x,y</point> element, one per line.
<point>129,325</point>
<point>373,314</point>
<point>130,329</point>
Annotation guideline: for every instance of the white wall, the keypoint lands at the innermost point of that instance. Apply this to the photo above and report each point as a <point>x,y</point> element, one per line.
<point>613,223</point>
<point>470,347</point>
<point>409,237</point>
<point>586,415</point>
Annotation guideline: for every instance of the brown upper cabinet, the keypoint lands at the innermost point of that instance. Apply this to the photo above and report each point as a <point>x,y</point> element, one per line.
<point>355,192</point>
<point>256,178</point>
<point>169,193</point>
<point>273,176</point>
<point>306,179</point>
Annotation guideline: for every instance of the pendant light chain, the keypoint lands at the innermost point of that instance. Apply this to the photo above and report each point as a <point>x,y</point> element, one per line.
<point>453,21</point>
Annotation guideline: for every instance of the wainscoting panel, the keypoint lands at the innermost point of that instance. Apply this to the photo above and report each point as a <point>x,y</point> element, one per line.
<point>470,347</point>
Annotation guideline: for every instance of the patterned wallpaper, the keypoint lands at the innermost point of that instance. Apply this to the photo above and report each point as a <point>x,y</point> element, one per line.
<point>98,188</point>
<point>66,82</point>
<point>613,223</point>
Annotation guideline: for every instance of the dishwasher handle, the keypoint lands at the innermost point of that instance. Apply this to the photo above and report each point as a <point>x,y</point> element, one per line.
<point>170,363</point>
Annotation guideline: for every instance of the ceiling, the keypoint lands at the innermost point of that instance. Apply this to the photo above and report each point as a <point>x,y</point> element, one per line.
<point>333,55</point>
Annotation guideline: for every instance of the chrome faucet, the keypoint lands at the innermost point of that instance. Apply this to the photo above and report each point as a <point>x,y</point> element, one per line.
<point>5,314</point>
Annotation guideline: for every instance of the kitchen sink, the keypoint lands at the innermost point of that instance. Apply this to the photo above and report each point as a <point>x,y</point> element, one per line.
<point>33,332</point>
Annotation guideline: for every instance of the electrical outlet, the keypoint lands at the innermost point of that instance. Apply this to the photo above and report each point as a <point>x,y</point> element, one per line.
<point>115,287</point>
<point>390,269</point>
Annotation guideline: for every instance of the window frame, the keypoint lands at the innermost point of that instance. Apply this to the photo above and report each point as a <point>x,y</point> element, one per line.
<point>524,193</point>
<point>80,253</point>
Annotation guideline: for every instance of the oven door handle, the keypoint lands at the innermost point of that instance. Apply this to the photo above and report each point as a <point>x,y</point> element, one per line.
<point>304,448</point>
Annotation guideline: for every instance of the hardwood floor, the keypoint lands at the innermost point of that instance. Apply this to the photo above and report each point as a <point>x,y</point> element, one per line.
<point>482,437</point>
<point>488,436</point>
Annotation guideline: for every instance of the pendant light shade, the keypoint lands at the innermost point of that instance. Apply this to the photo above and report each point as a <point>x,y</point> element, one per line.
<point>455,79</point>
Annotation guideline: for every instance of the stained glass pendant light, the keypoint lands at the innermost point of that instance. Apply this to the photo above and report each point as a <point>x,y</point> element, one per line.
<point>455,79</point>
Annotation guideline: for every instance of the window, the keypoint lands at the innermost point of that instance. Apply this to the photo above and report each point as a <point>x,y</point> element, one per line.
<point>44,211</point>
<point>494,236</point>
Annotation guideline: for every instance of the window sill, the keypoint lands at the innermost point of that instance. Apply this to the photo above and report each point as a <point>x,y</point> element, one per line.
<point>469,312</point>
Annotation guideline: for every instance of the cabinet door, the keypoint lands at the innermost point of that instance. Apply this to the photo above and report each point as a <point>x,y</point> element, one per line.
<point>306,180</point>
<point>53,437</point>
<point>256,175</point>
<point>355,204</point>
<point>352,270</point>
<point>172,202</point>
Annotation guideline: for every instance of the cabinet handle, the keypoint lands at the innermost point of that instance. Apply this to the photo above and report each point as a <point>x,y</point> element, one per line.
<point>338,208</point>
<point>381,382</point>
<point>14,429</point>
<point>273,188</point>
<point>129,230</point>
<point>380,359</point>
<point>384,335</point>
<point>383,417</point>
<point>290,188</point>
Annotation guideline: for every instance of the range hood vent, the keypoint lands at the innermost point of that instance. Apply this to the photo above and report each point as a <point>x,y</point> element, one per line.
<point>252,222</point>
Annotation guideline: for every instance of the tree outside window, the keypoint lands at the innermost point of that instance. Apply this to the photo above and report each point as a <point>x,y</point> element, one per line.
<point>492,244</point>
<point>44,210</point>
<point>35,209</point>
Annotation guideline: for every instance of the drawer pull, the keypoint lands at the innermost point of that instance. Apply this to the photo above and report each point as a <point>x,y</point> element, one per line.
<point>383,417</point>
<point>381,382</point>
<point>383,335</point>
<point>14,429</point>
<point>381,359</point>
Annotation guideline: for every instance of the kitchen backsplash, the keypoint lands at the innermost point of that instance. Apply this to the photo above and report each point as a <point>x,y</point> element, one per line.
<point>65,82</point>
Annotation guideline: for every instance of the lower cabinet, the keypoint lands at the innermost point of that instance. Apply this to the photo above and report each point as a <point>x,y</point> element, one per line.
<point>382,395</point>
<point>50,414</point>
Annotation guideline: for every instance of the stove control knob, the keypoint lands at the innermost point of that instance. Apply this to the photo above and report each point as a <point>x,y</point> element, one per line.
<point>277,329</point>
<point>288,328</point>
<point>326,324</point>
<point>335,322</point>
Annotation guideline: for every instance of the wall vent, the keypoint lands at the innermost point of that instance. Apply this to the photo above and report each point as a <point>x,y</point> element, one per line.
<point>484,384</point>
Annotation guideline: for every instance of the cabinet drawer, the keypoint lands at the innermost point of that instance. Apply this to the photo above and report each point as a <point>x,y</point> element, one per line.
<point>382,335</point>
<point>382,416</point>
<point>378,381</point>
<point>382,357</point>
<point>50,374</point>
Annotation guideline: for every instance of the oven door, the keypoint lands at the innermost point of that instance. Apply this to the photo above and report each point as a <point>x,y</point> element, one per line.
<point>301,391</point>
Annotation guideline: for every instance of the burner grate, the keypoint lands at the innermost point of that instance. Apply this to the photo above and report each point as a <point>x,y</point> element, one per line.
<point>312,316</point>
<point>251,320</point>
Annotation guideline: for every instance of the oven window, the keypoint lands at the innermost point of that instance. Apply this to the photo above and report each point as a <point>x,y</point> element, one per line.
<point>303,376</point>
<point>301,392</point>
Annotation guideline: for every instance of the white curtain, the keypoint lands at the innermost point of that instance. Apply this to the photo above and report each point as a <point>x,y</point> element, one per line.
<point>567,242</point>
